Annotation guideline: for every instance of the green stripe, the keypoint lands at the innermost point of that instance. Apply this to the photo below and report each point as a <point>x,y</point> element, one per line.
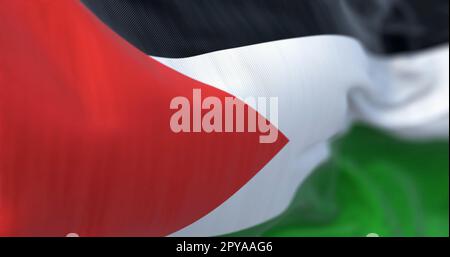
<point>373,183</point>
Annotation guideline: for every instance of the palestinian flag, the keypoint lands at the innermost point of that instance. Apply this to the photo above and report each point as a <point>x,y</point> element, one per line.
<point>93,139</point>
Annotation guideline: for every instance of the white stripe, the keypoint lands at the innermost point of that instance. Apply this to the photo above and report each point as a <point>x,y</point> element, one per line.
<point>407,94</point>
<point>313,78</point>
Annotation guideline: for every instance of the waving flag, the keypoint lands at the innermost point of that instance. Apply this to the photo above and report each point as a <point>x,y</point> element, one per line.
<point>86,88</point>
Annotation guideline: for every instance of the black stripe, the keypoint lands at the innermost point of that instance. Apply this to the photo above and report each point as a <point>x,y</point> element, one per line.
<point>181,28</point>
